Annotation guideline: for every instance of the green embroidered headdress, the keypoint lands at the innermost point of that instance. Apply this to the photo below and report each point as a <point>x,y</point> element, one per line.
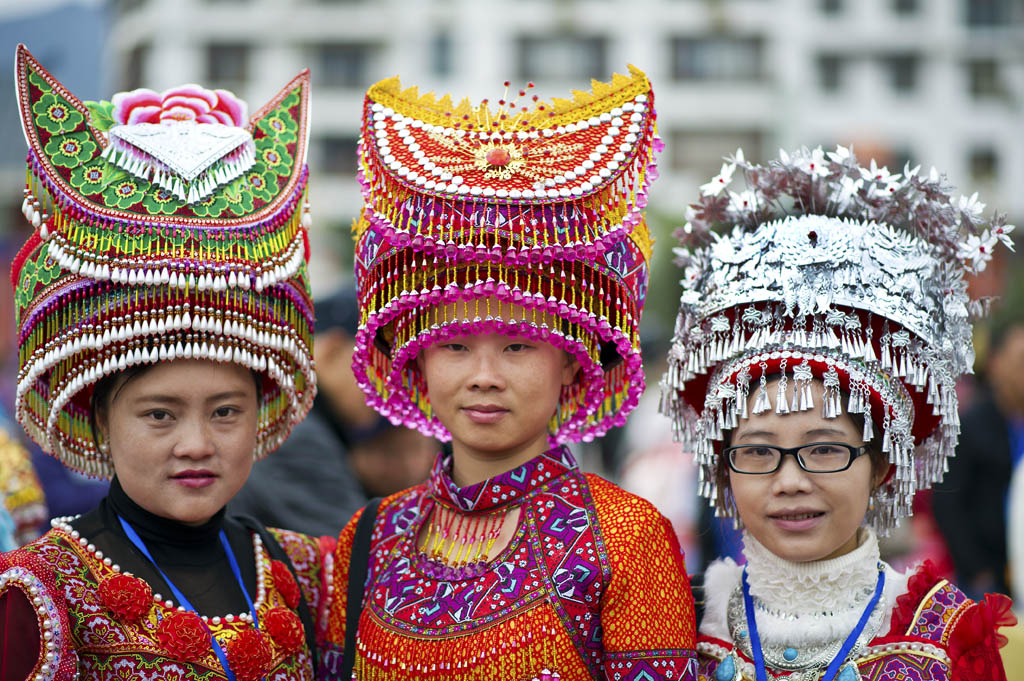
<point>166,225</point>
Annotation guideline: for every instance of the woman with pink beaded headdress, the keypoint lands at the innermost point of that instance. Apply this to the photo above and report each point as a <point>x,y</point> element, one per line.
<point>501,263</point>
<point>165,341</point>
<point>820,335</point>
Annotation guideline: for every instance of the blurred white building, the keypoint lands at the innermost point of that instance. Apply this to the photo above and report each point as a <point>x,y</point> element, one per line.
<point>937,82</point>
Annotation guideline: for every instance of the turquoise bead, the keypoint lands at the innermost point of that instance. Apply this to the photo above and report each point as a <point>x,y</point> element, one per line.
<point>726,670</point>
<point>848,673</point>
<point>790,654</point>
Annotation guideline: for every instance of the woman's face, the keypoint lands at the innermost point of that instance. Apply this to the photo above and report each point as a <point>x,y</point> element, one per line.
<point>182,436</point>
<point>496,394</point>
<point>801,516</point>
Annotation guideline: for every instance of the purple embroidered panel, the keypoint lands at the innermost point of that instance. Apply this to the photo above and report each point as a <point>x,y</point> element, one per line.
<point>502,489</point>
<point>938,612</point>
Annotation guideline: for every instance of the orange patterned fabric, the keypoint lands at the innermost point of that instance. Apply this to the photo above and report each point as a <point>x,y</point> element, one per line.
<point>591,586</point>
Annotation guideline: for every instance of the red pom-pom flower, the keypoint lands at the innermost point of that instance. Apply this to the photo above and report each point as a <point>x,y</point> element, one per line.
<point>129,598</point>
<point>250,655</point>
<point>285,583</point>
<point>975,642</point>
<point>286,630</point>
<point>184,636</point>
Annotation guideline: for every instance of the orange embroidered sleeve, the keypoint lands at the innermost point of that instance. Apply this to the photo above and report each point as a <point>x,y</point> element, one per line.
<point>647,611</point>
<point>339,585</point>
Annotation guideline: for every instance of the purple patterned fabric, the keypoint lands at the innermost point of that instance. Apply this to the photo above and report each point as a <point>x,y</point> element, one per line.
<point>501,490</point>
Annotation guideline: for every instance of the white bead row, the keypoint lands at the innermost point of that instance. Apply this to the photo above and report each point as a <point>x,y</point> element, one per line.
<point>211,277</point>
<point>434,177</point>
<point>262,569</point>
<point>46,612</point>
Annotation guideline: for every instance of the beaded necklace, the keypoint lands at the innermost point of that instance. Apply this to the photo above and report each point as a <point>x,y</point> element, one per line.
<point>458,545</point>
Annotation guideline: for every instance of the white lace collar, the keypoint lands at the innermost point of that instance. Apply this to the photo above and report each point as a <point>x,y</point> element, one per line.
<point>800,603</point>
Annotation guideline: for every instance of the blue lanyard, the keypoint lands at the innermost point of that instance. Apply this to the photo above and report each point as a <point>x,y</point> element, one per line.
<point>838,660</point>
<point>135,539</point>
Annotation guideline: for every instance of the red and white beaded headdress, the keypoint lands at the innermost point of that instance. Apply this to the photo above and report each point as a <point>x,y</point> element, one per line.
<point>518,220</point>
<point>829,270</point>
<point>167,225</point>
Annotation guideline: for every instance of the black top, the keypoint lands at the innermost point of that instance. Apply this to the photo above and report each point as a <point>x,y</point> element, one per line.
<point>970,503</point>
<point>192,557</point>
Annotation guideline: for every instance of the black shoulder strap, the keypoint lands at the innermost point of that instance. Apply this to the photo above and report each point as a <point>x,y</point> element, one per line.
<point>697,587</point>
<point>278,553</point>
<point>358,566</point>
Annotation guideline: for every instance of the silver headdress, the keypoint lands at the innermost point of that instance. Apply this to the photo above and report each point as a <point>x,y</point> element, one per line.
<point>831,270</point>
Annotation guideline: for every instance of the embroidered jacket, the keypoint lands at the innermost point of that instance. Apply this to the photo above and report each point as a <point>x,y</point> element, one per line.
<point>932,633</point>
<point>591,586</point>
<point>72,614</point>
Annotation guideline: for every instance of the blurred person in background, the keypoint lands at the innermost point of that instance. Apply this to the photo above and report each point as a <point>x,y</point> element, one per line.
<point>970,504</point>
<point>343,453</point>
<point>21,495</point>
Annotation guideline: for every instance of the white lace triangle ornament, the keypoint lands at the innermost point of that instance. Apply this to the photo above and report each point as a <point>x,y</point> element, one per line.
<point>188,159</point>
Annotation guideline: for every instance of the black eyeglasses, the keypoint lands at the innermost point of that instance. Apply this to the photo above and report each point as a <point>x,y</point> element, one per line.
<point>817,457</point>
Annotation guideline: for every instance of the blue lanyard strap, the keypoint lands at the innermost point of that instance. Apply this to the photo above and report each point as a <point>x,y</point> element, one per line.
<point>135,539</point>
<point>848,644</point>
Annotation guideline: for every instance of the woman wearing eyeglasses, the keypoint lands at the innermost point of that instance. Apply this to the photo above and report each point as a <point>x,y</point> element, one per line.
<point>813,374</point>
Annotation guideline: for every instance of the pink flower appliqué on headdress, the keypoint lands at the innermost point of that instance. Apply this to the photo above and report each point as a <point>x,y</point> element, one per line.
<point>182,103</point>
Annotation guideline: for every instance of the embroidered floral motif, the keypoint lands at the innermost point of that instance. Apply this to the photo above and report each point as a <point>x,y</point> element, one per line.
<point>71,150</point>
<point>55,115</point>
<point>275,158</point>
<point>215,204</point>
<point>93,177</point>
<point>249,655</point>
<point>39,272</point>
<point>261,183</point>
<point>129,598</point>
<point>184,636</point>
<point>159,201</point>
<point>124,193</point>
<point>280,125</point>
<point>183,103</point>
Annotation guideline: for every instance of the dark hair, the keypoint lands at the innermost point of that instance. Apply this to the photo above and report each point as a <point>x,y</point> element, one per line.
<point>101,392</point>
<point>879,460</point>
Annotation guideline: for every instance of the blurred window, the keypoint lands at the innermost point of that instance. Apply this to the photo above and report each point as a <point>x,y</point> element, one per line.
<point>128,5</point>
<point>983,164</point>
<point>699,151</point>
<point>831,6</point>
<point>133,74</point>
<point>830,72</point>
<point>902,70</point>
<point>227,64</point>
<point>984,79</point>
<point>904,6</point>
<point>337,154</point>
<point>344,65</point>
<point>441,53</point>
<point>989,12</point>
<point>717,58</point>
<point>570,57</point>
